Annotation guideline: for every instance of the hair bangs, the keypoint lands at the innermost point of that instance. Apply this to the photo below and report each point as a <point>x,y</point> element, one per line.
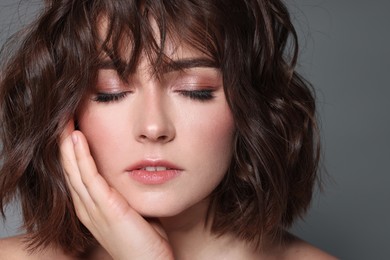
<point>155,30</point>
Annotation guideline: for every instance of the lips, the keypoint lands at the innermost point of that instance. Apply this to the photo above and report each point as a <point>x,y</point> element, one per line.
<point>153,172</point>
<point>155,169</point>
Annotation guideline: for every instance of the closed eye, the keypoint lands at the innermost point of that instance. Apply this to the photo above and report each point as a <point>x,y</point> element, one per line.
<point>201,94</point>
<point>109,97</point>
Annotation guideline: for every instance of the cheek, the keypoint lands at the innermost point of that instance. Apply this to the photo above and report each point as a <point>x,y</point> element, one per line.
<point>216,135</point>
<point>212,134</point>
<point>104,131</point>
<point>211,151</point>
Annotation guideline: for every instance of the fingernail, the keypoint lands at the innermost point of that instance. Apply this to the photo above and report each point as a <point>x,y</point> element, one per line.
<point>74,138</point>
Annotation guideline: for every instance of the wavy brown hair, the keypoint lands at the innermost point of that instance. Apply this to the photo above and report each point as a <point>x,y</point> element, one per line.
<point>253,42</point>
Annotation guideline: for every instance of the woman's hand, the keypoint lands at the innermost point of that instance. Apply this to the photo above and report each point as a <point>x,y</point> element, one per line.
<point>118,228</point>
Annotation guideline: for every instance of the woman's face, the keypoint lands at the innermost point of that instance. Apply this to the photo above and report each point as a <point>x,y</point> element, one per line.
<point>164,143</point>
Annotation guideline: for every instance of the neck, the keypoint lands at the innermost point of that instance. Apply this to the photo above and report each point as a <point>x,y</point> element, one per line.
<point>191,237</point>
<point>187,232</point>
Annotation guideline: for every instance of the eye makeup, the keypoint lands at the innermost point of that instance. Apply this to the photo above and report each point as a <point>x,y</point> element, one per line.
<point>201,94</point>
<point>109,97</point>
<point>198,84</point>
<point>109,87</point>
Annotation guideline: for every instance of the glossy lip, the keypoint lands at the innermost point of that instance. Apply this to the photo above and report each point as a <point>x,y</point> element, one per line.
<point>153,177</point>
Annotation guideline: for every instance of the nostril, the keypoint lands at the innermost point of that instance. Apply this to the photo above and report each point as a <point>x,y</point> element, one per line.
<point>162,138</point>
<point>159,132</point>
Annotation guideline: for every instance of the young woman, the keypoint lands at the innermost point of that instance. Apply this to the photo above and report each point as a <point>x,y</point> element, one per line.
<point>158,130</point>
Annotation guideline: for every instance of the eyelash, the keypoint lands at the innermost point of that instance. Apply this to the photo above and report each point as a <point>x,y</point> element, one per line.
<point>201,95</point>
<point>109,97</point>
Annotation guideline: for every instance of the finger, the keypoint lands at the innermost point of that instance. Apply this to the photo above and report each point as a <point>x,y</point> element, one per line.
<point>69,163</point>
<point>68,158</point>
<point>95,184</point>
<point>79,206</point>
<point>80,196</point>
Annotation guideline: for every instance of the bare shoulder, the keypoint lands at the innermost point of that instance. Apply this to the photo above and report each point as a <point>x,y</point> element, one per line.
<point>15,248</point>
<point>296,248</point>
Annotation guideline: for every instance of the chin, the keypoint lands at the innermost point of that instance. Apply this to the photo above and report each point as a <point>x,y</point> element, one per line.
<point>166,208</point>
<point>151,211</point>
<point>156,204</point>
<point>167,202</point>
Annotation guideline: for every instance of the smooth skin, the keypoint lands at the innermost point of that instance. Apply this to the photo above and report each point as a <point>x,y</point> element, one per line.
<point>104,211</point>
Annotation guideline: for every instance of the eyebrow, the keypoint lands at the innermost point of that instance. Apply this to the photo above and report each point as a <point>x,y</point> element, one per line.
<point>171,66</point>
<point>189,63</point>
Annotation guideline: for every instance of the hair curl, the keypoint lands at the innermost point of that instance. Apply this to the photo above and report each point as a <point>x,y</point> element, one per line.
<point>274,166</point>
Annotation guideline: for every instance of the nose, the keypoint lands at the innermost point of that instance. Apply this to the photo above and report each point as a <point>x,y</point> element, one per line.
<point>154,122</point>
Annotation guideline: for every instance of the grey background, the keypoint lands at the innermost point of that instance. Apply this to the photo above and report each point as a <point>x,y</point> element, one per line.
<point>345,54</point>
